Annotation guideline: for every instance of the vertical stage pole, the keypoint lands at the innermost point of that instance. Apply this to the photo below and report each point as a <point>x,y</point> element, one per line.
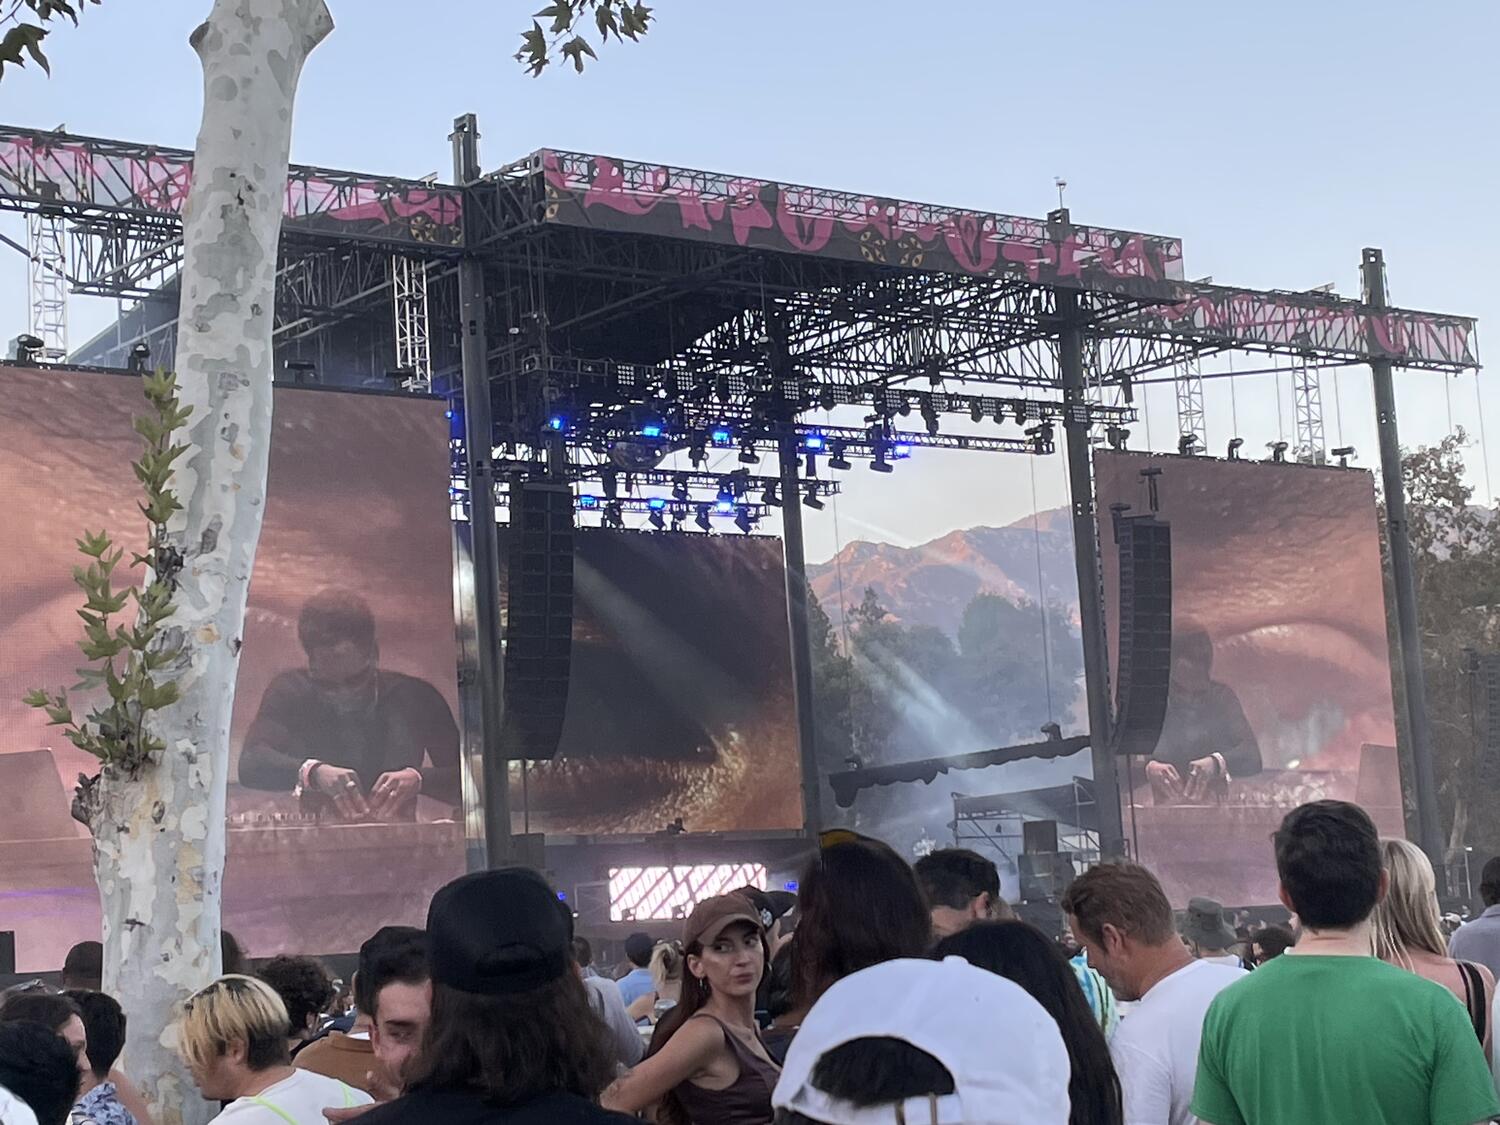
<point>1408,631</point>
<point>479,442</point>
<point>796,612</point>
<point>1090,585</point>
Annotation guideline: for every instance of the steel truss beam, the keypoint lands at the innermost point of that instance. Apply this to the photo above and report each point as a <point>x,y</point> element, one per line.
<point>47,284</point>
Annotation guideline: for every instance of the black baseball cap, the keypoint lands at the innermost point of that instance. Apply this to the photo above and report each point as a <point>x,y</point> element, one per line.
<point>495,933</point>
<point>772,905</point>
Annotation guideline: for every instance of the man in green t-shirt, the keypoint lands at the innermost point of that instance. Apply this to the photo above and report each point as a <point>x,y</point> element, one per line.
<point>1327,1033</point>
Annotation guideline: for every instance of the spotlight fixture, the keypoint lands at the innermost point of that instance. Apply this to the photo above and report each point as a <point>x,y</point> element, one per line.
<point>1186,444</point>
<point>723,507</point>
<point>901,450</point>
<point>301,371</point>
<point>1019,412</point>
<point>702,518</point>
<point>1344,453</point>
<point>811,499</point>
<point>748,456</point>
<point>929,414</point>
<point>609,480</point>
<point>826,399</point>
<point>903,407</point>
<point>1117,436</point>
<point>140,358</point>
<point>769,497</point>
<point>1235,445</point>
<point>588,503</point>
<point>680,490</point>
<point>880,464</point>
<point>678,515</point>
<point>1278,451</point>
<point>657,520</point>
<point>836,459</point>
<point>976,410</point>
<point>999,412</point>
<point>742,519</point>
<point>28,348</point>
<point>813,442</point>
<point>614,516</point>
<point>1041,437</point>
<point>726,494</point>
<point>722,436</point>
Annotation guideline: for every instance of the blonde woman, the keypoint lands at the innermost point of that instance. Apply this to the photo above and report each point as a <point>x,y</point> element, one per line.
<point>666,983</point>
<point>233,1038</point>
<point>1408,933</point>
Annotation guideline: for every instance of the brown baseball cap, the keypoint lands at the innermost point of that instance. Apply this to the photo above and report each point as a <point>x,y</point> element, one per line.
<point>712,916</point>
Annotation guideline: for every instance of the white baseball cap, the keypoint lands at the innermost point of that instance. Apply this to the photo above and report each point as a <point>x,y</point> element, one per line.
<point>1005,1053</point>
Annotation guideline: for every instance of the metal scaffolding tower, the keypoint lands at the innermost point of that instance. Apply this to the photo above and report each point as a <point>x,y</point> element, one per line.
<point>47,283</point>
<point>413,328</point>
<point>1189,386</point>
<point>1307,398</point>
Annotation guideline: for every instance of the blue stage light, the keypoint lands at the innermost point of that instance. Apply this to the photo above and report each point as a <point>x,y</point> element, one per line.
<point>556,422</point>
<point>588,501</point>
<point>722,436</point>
<point>651,429</point>
<point>656,503</point>
<point>902,450</point>
<point>447,414</point>
<point>813,442</point>
<point>724,507</point>
<point>790,885</point>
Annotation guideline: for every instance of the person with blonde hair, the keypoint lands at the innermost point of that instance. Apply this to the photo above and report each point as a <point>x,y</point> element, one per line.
<point>1408,933</point>
<point>233,1037</point>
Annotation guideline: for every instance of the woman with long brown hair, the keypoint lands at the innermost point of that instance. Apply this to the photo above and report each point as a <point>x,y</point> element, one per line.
<point>860,905</point>
<point>707,1064</point>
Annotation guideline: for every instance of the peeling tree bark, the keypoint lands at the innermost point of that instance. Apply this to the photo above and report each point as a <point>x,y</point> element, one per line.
<point>159,835</point>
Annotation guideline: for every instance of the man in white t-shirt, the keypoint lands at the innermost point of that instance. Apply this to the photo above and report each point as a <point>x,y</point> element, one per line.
<point>234,1039</point>
<point>1121,915</point>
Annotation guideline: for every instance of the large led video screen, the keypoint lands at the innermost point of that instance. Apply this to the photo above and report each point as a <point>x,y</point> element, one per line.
<point>680,711</point>
<point>1280,688</point>
<point>349,660</point>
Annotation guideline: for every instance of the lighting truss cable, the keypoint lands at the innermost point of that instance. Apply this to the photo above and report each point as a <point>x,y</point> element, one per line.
<point>1041,592</point>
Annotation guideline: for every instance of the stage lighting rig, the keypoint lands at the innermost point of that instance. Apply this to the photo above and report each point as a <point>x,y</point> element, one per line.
<point>1344,453</point>
<point>614,517</point>
<point>742,519</point>
<point>811,499</point>
<point>1186,443</point>
<point>1278,451</point>
<point>1117,436</point>
<point>976,410</point>
<point>609,480</point>
<point>769,496</point>
<point>748,456</point>
<point>1235,445</point>
<point>702,519</point>
<point>721,436</point>
<point>1041,436</point>
<point>836,459</point>
<point>879,464</point>
<point>28,347</point>
<point>140,358</point>
<point>680,490</point>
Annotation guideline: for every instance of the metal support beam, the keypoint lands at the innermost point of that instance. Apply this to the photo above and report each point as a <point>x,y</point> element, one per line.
<point>1189,385</point>
<point>1307,401</point>
<point>1408,631</point>
<point>47,283</point>
<point>801,638</point>
<point>478,452</point>
<point>1090,583</point>
<point>413,331</point>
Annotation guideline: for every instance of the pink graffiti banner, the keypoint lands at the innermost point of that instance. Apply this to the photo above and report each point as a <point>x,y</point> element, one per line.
<point>1317,323</point>
<point>604,193</point>
<point>80,172</point>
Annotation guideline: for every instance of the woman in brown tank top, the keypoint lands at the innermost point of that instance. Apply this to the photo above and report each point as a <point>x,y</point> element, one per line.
<point>706,1064</point>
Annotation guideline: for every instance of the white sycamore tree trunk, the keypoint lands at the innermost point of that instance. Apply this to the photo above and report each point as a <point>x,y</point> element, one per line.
<point>159,836</point>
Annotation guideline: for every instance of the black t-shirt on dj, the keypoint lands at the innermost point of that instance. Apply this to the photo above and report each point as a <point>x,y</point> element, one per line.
<point>405,723</point>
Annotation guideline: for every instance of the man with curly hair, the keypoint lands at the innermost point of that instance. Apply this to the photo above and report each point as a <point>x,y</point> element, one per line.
<point>305,988</point>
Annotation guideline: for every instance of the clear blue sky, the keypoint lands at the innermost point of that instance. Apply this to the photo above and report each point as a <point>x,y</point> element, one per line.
<point>1275,139</point>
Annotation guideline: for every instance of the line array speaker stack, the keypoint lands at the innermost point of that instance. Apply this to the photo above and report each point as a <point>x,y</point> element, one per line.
<point>1487,718</point>
<point>1145,661</point>
<point>539,619</point>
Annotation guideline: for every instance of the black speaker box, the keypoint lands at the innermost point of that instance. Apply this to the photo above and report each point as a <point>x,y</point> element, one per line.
<point>1145,660</point>
<point>538,620</point>
<point>1039,836</point>
<point>1045,875</point>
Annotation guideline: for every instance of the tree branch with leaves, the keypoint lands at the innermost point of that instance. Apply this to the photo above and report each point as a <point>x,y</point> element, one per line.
<point>566,37</point>
<point>128,662</point>
<point>26,25</point>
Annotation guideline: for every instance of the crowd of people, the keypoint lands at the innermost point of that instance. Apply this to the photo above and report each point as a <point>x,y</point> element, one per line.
<point>904,994</point>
